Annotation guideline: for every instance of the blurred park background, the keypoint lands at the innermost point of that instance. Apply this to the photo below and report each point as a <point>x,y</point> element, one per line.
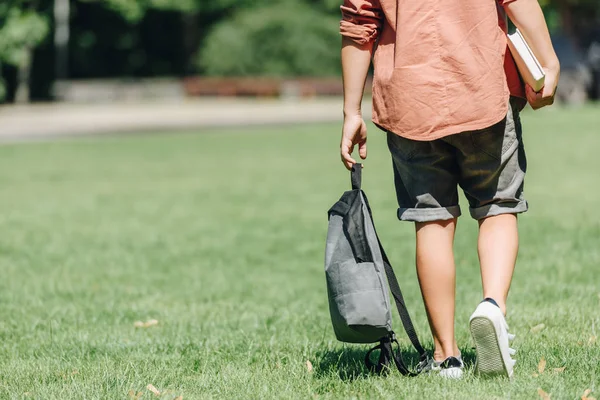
<point>106,50</point>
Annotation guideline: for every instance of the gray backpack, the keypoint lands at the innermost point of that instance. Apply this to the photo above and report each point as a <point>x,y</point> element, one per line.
<point>357,269</point>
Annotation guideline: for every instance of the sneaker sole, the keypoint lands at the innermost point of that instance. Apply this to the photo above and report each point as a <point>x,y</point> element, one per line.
<point>489,356</point>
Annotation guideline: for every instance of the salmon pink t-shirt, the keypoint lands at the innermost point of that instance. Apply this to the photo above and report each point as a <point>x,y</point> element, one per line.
<point>441,67</point>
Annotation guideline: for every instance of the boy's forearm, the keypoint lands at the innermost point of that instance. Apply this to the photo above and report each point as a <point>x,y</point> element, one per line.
<point>356,60</point>
<point>527,15</point>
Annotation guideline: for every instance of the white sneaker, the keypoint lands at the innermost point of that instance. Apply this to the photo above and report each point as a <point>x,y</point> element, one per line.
<point>451,367</point>
<point>490,333</point>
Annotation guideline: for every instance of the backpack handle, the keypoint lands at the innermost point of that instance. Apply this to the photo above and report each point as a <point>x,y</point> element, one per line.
<point>356,176</point>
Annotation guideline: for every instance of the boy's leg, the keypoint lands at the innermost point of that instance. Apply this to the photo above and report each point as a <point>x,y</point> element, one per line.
<point>426,176</point>
<point>493,166</point>
<point>437,277</point>
<point>498,245</point>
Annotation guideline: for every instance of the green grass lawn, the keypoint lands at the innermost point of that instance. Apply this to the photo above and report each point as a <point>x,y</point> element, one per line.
<point>219,236</point>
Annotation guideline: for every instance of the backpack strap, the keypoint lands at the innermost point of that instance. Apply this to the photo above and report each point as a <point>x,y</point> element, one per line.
<point>382,365</point>
<point>401,306</point>
<point>356,176</point>
<point>385,343</point>
<point>386,355</point>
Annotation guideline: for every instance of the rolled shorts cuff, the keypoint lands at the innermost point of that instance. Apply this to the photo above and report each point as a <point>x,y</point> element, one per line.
<point>428,214</point>
<point>491,210</point>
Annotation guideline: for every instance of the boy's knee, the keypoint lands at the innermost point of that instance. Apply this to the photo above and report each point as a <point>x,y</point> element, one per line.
<point>444,223</point>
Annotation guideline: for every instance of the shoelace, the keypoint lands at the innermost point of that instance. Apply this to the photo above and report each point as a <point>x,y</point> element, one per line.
<point>511,351</point>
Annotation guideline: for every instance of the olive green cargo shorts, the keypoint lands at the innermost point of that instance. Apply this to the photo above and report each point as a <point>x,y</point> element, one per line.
<point>488,164</point>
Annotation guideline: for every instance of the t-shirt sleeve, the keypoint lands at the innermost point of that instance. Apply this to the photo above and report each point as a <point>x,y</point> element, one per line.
<point>361,20</point>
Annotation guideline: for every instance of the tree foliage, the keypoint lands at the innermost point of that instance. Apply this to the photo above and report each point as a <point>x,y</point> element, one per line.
<point>21,30</point>
<point>218,37</point>
<point>285,39</point>
<point>134,10</point>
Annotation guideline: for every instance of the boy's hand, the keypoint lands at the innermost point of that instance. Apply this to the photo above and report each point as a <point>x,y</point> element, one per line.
<point>544,97</point>
<point>354,132</point>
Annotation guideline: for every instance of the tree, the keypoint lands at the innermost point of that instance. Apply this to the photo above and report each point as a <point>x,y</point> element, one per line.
<point>22,28</point>
<point>286,39</point>
<point>308,26</point>
<point>134,10</point>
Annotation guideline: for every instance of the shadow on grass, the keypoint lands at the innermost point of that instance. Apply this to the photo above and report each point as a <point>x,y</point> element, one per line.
<point>348,362</point>
<point>469,356</point>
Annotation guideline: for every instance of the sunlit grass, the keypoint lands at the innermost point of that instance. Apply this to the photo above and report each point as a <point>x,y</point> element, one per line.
<point>219,236</point>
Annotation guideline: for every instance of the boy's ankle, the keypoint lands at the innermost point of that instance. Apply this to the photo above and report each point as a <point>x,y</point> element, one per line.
<point>500,304</point>
<point>440,354</point>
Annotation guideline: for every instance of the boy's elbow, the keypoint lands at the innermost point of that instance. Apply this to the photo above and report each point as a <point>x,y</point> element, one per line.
<point>361,34</point>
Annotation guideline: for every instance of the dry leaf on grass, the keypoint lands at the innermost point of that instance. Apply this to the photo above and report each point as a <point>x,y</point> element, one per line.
<point>154,390</point>
<point>538,328</point>
<point>309,366</point>
<point>559,370</point>
<point>140,324</point>
<point>134,395</point>
<point>586,394</point>
<point>543,395</point>
<point>178,398</point>
<point>592,339</point>
<point>542,366</point>
<point>535,374</point>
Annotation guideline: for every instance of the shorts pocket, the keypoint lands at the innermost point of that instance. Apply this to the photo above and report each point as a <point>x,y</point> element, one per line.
<point>404,149</point>
<point>496,140</point>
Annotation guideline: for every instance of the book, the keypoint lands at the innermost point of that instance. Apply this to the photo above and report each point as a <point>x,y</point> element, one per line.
<point>529,67</point>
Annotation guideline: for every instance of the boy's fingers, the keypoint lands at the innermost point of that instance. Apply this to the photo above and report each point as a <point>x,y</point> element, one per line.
<point>362,149</point>
<point>348,162</point>
<point>348,159</point>
<point>345,151</point>
<point>532,93</point>
<point>534,98</point>
<point>544,97</point>
<point>529,93</point>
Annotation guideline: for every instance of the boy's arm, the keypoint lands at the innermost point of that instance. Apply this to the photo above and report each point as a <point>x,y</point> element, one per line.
<point>527,15</point>
<point>356,60</point>
<point>361,21</point>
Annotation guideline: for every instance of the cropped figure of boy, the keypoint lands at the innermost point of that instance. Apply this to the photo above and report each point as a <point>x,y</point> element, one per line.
<point>448,94</point>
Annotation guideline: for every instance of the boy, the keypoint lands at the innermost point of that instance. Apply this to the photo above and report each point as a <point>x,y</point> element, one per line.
<point>448,95</point>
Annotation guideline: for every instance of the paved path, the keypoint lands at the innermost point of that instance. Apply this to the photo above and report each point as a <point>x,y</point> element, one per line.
<point>46,121</point>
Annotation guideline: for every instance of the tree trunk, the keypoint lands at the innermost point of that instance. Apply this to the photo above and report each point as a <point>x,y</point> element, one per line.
<point>2,86</point>
<point>61,44</point>
<point>22,96</point>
